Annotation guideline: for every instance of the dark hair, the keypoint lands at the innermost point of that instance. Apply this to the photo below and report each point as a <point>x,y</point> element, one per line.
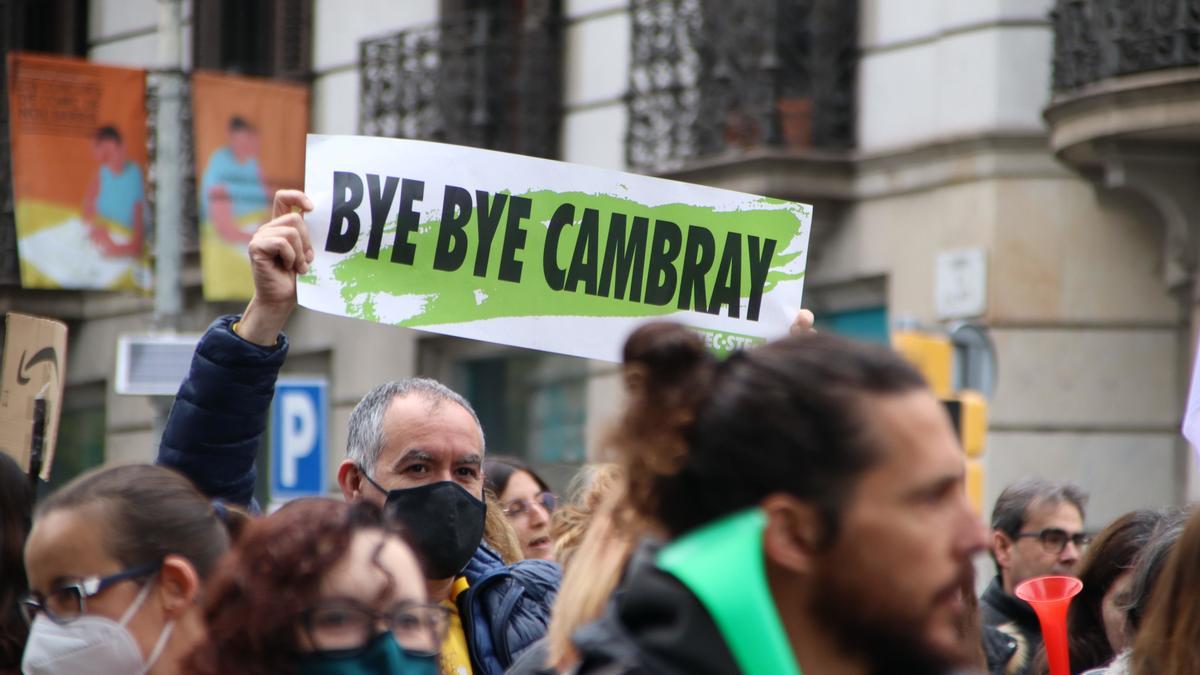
<point>273,574</point>
<point>1111,554</point>
<point>1148,566</point>
<point>107,133</point>
<point>499,469</point>
<point>702,439</point>
<point>1012,506</point>
<point>239,123</point>
<point>16,505</point>
<point>1011,511</point>
<point>147,513</point>
<point>1168,641</point>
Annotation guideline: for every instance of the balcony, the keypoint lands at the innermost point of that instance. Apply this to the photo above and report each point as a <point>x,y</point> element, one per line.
<point>1125,111</point>
<point>746,94</point>
<point>485,78</point>
<point>1124,72</point>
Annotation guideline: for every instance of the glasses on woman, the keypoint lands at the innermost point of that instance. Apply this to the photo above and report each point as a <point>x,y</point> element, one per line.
<point>1054,539</point>
<point>69,601</point>
<point>519,507</point>
<point>347,625</point>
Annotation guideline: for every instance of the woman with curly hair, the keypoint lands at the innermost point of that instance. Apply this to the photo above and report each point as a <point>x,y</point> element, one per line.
<point>320,586</point>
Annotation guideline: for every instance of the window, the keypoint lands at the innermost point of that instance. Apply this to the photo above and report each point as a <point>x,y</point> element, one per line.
<point>869,324</point>
<point>487,75</point>
<point>855,309</point>
<point>711,76</point>
<point>50,26</point>
<point>265,38</point>
<point>531,405</point>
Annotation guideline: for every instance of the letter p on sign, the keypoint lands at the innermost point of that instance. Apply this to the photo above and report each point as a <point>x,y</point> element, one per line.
<point>298,439</point>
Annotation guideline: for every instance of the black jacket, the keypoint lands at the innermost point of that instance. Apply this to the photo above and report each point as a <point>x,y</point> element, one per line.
<point>1012,635</point>
<point>653,624</point>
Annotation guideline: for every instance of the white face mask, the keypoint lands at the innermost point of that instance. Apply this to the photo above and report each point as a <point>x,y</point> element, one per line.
<point>90,645</point>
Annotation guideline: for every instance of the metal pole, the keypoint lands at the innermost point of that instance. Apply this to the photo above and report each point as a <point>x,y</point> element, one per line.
<point>168,196</point>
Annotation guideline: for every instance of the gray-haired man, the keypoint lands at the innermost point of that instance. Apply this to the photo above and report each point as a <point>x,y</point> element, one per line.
<point>1037,529</point>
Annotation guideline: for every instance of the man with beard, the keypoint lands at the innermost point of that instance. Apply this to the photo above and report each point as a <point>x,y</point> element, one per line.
<point>414,447</point>
<point>812,493</point>
<point>1037,529</point>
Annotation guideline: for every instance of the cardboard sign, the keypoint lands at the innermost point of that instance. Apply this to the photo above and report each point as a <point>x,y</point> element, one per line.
<point>79,158</point>
<point>35,363</point>
<point>542,254</point>
<point>249,143</point>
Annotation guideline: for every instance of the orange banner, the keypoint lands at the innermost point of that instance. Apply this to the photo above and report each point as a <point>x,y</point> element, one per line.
<point>79,166</point>
<point>249,138</point>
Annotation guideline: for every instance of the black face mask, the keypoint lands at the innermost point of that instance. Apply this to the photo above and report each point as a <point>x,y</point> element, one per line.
<point>442,521</point>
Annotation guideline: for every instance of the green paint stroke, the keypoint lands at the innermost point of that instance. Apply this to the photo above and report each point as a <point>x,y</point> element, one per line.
<point>459,296</point>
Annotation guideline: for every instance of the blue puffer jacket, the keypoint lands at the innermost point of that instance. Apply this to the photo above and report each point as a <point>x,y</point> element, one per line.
<point>516,601</point>
<point>213,434</point>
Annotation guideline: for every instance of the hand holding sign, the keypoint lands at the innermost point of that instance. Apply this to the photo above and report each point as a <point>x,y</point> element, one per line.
<point>279,251</point>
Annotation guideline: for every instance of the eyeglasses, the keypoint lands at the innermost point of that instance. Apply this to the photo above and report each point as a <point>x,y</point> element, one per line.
<point>67,603</point>
<point>347,625</point>
<point>518,507</point>
<point>1054,539</point>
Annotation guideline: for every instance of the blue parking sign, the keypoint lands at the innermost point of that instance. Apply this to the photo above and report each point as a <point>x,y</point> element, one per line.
<point>299,421</point>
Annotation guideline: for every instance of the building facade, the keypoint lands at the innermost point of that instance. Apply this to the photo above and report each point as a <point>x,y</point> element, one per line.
<point>1029,130</point>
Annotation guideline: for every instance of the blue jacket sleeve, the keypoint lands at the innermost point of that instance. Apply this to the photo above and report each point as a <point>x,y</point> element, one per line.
<point>220,413</point>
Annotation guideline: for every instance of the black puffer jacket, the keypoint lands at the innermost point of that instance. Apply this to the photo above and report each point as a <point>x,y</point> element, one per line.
<point>1012,634</point>
<point>653,625</point>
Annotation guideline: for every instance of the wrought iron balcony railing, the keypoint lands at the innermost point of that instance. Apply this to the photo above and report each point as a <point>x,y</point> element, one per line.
<point>484,78</point>
<point>713,76</point>
<point>1099,39</point>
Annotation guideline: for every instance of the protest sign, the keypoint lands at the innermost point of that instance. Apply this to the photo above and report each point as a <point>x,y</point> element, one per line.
<point>542,254</point>
<point>249,143</point>
<point>35,361</point>
<point>78,158</point>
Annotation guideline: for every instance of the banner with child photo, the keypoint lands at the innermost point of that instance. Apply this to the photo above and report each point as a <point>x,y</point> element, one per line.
<point>79,157</point>
<point>249,141</point>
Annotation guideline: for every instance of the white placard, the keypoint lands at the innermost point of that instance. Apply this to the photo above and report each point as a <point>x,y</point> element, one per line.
<point>542,254</point>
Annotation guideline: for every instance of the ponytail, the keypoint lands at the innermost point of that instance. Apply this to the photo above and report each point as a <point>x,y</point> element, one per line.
<point>668,374</point>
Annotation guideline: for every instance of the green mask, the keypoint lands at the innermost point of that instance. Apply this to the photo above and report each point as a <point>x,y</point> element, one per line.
<point>381,655</point>
<point>722,564</point>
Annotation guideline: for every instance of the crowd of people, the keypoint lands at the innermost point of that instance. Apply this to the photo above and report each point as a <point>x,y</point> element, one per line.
<point>798,507</point>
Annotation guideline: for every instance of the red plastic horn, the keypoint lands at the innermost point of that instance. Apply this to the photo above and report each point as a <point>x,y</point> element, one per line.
<point>1050,598</point>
